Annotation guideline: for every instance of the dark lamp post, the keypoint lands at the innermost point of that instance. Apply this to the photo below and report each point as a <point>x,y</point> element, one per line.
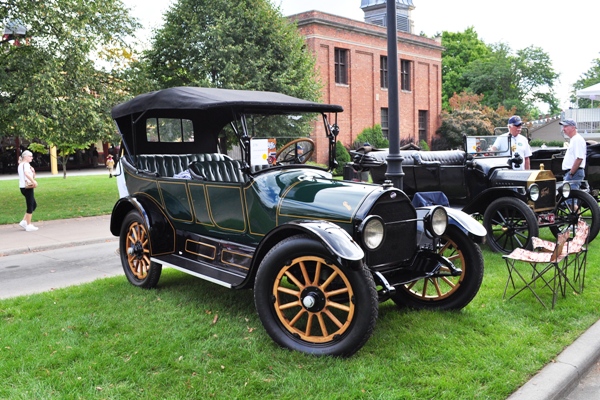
<point>394,171</point>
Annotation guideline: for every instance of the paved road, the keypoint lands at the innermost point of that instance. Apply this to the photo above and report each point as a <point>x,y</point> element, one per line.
<point>41,271</point>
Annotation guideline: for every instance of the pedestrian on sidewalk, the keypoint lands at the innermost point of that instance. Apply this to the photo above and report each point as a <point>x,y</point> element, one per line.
<point>110,164</point>
<point>27,184</point>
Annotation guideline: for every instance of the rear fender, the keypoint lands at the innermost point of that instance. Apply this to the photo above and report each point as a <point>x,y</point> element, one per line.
<point>160,229</point>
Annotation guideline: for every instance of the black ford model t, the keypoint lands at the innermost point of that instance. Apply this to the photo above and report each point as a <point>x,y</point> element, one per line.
<point>215,183</point>
<point>512,203</point>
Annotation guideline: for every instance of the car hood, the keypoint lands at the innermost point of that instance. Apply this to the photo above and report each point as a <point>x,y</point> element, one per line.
<point>318,197</point>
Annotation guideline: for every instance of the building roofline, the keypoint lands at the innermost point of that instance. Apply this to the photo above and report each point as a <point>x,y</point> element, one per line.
<point>352,25</point>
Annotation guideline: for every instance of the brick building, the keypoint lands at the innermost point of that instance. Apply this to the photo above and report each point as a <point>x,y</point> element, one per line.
<point>352,61</point>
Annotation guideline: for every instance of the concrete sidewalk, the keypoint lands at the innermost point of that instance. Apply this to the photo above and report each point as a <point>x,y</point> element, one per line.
<point>55,234</point>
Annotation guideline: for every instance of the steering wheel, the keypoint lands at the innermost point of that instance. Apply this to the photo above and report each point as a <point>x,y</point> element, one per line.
<point>297,151</point>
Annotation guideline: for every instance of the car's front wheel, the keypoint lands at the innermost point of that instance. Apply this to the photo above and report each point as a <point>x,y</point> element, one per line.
<point>447,292</point>
<point>578,205</point>
<point>134,248</point>
<point>510,224</point>
<point>310,303</point>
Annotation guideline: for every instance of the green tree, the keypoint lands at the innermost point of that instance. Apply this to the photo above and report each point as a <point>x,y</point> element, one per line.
<point>59,83</point>
<point>232,44</point>
<point>461,49</point>
<point>589,78</point>
<point>519,80</point>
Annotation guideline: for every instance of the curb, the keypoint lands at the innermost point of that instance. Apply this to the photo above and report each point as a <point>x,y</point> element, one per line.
<point>558,378</point>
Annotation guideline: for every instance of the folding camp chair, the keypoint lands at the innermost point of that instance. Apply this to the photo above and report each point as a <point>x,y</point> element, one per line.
<point>546,269</point>
<point>576,252</point>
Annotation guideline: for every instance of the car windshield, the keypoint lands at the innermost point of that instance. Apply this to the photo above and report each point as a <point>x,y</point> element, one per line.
<point>489,146</point>
<point>275,139</point>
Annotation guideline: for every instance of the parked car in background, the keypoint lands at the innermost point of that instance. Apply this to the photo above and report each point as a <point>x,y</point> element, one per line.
<point>551,158</point>
<point>216,183</point>
<point>512,204</point>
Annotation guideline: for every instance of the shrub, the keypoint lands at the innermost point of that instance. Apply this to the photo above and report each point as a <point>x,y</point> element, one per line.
<point>373,136</point>
<point>423,145</point>
<point>342,156</point>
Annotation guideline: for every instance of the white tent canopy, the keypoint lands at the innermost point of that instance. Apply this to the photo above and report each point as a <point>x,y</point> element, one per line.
<point>592,92</point>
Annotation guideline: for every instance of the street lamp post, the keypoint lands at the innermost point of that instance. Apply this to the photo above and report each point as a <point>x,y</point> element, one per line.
<point>394,171</point>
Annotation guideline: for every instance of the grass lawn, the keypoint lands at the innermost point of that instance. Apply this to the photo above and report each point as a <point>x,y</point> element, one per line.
<point>191,339</point>
<point>194,339</point>
<point>58,198</point>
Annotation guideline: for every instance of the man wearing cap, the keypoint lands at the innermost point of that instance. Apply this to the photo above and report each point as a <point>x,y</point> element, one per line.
<point>515,142</point>
<point>573,164</point>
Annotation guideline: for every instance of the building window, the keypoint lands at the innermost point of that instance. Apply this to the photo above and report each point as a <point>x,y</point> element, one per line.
<point>383,72</point>
<point>341,66</point>
<point>423,124</point>
<point>385,127</point>
<point>405,75</point>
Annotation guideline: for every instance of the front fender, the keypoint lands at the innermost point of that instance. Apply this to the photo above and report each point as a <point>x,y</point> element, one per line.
<point>336,240</point>
<point>462,220</point>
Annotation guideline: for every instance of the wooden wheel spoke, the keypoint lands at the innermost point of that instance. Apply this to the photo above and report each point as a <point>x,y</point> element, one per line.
<point>337,292</point>
<point>304,273</point>
<point>309,324</point>
<point>333,318</point>
<point>334,275</point>
<point>324,331</point>
<point>339,306</point>
<point>291,304</point>
<point>297,317</point>
<point>315,281</point>
<point>294,280</point>
<point>288,291</point>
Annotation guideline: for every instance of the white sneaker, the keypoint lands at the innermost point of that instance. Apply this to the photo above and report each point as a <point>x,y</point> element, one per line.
<point>23,224</point>
<point>31,228</point>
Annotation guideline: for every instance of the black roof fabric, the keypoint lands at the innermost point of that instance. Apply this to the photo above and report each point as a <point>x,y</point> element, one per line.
<point>196,98</point>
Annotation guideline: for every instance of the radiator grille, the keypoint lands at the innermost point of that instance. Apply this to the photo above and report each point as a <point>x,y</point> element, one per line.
<point>400,241</point>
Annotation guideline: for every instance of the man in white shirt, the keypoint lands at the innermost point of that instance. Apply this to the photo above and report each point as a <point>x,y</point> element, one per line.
<point>573,164</point>
<point>515,142</point>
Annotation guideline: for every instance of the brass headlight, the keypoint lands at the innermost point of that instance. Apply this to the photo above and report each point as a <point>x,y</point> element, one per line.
<point>436,221</point>
<point>566,190</point>
<point>373,232</point>
<point>534,192</point>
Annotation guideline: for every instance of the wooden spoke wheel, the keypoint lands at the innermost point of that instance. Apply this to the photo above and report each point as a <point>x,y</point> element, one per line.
<point>311,304</point>
<point>447,292</point>
<point>135,253</point>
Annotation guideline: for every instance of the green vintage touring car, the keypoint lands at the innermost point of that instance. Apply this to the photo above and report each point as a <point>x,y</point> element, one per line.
<point>216,183</point>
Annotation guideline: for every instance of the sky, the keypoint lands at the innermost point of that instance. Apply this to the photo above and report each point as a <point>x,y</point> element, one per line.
<point>565,30</point>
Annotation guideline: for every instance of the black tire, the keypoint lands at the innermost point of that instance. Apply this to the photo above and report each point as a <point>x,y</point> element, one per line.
<point>447,292</point>
<point>510,224</point>
<point>567,215</point>
<point>309,303</point>
<point>134,248</point>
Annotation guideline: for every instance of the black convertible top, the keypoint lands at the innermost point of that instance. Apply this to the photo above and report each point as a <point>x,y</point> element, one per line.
<point>197,98</point>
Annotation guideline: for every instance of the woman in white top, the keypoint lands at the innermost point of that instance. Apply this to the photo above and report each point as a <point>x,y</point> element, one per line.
<point>27,178</point>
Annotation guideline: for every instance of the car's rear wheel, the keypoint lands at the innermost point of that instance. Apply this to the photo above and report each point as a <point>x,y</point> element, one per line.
<point>578,205</point>
<point>447,292</point>
<point>308,302</point>
<point>510,224</point>
<point>134,248</point>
